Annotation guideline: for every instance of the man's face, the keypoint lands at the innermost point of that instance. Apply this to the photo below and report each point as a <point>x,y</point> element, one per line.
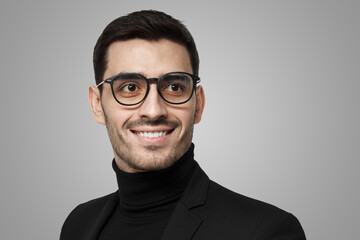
<point>153,134</point>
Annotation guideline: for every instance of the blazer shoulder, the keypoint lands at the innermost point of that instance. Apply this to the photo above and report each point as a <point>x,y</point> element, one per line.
<point>84,214</point>
<point>91,207</point>
<point>247,215</point>
<point>240,202</point>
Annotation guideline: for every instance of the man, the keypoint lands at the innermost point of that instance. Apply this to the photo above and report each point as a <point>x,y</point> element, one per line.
<point>149,98</point>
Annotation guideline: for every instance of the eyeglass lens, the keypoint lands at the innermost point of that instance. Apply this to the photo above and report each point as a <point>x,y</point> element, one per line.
<point>132,88</point>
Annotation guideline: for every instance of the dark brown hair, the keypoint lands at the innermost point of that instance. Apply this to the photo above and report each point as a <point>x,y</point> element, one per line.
<point>149,25</point>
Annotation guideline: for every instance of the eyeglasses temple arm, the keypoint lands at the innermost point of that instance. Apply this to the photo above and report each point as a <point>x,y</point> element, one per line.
<point>100,83</point>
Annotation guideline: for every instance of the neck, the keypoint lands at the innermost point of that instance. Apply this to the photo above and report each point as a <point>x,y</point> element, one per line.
<point>155,186</point>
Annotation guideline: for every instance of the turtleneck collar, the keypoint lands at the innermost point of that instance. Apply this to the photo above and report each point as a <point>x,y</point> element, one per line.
<point>155,187</point>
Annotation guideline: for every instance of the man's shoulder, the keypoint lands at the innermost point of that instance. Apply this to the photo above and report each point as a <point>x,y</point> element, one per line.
<point>95,205</point>
<point>236,201</point>
<point>229,212</point>
<point>219,201</point>
<point>85,214</point>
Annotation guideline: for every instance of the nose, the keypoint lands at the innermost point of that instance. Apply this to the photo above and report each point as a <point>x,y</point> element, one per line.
<point>153,106</point>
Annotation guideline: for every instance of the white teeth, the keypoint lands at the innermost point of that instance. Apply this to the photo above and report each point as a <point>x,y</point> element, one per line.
<point>151,134</point>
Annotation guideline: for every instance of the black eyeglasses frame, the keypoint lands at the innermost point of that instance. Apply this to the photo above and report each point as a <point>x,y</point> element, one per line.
<point>196,80</point>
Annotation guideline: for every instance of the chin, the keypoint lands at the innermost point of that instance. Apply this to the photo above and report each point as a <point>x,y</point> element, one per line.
<point>149,159</point>
<point>153,161</point>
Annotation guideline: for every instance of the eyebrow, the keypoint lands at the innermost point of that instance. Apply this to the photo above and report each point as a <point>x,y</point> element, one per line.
<point>139,72</point>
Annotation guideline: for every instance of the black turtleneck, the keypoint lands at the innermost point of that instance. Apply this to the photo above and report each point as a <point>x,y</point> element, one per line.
<point>147,200</point>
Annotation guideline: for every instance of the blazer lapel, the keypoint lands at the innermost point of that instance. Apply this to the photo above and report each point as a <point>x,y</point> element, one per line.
<point>94,229</point>
<point>183,223</point>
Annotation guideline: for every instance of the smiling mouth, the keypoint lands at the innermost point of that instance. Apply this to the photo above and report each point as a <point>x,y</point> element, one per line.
<point>154,134</point>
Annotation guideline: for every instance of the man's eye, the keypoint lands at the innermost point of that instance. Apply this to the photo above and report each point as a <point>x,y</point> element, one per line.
<point>129,88</point>
<point>174,87</point>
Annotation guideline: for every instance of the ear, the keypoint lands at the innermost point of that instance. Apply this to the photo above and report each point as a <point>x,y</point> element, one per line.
<point>200,103</point>
<point>95,104</point>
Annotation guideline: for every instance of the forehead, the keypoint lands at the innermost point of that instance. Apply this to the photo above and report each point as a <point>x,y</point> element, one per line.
<point>152,58</point>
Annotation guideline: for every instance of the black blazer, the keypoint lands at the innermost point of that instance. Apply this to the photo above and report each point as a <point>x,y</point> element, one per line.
<point>206,211</point>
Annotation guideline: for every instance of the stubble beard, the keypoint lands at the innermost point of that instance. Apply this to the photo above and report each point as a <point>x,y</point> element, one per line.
<point>151,159</point>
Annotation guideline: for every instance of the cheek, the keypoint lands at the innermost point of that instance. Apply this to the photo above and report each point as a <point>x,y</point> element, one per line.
<point>121,118</point>
<point>117,117</point>
<point>186,115</point>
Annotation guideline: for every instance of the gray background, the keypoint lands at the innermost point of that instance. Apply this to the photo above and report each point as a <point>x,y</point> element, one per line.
<point>281,121</point>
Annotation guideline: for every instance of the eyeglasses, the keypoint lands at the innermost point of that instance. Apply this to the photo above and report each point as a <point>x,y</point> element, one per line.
<point>132,88</point>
